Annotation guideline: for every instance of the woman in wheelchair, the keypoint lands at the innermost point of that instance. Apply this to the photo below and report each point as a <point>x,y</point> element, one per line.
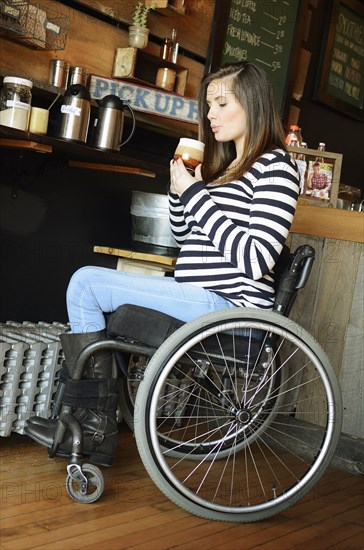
<point>230,220</point>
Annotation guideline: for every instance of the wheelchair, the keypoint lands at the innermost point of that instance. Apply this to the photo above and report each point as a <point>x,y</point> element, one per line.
<point>236,414</point>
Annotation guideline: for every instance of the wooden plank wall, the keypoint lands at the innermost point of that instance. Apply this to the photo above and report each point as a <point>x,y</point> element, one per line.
<point>193,28</point>
<point>331,308</point>
<point>92,43</point>
<point>352,377</point>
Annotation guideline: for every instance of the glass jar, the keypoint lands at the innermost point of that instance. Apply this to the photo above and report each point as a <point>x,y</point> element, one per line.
<point>15,102</point>
<point>138,37</point>
<point>166,78</point>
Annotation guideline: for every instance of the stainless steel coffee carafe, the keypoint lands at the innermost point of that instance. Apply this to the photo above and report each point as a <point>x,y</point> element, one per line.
<point>109,124</point>
<point>75,113</point>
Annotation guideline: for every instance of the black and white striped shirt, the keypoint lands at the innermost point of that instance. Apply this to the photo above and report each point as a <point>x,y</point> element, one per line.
<point>232,234</point>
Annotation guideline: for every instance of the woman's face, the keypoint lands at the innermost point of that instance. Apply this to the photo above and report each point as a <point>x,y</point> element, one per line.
<point>225,113</point>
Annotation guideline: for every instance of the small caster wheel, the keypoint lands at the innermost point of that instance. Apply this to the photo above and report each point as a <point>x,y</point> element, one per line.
<point>84,483</point>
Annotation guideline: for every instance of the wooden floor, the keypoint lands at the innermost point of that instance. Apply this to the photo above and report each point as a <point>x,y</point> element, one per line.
<point>37,513</point>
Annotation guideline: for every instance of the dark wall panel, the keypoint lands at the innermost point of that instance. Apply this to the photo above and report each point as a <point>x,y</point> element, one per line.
<point>319,122</point>
<point>51,216</point>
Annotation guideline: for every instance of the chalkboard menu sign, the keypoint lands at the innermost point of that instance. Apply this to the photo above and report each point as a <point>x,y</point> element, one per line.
<point>342,77</point>
<point>259,31</point>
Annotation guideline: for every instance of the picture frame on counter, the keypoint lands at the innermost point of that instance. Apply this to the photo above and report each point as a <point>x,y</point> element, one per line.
<point>320,173</point>
<point>341,78</point>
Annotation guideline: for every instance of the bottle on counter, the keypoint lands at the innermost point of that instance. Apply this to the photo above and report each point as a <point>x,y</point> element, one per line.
<point>302,167</point>
<point>294,134</point>
<point>321,147</point>
<point>15,102</point>
<point>303,146</point>
<point>293,143</point>
<point>301,155</point>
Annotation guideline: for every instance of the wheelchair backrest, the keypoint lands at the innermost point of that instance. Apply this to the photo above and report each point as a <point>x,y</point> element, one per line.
<point>292,272</point>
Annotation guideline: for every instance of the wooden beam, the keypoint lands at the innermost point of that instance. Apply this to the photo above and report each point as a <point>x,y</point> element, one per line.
<point>166,261</point>
<point>24,144</point>
<point>111,168</point>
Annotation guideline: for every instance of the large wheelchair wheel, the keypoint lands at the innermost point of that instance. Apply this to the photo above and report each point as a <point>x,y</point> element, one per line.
<point>238,415</point>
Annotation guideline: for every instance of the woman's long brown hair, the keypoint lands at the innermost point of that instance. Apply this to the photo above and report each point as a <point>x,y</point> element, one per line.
<point>253,89</point>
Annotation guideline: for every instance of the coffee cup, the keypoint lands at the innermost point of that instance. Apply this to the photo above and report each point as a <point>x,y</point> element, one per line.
<point>190,151</point>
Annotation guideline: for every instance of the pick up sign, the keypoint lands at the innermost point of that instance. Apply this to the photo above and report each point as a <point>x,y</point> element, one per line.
<point>148,100</point>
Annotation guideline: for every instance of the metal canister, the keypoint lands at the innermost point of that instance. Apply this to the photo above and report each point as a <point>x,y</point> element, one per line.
<point>58,72</point>
<point>75,113</point>
<point>110,123</point>
<point>78,75</point>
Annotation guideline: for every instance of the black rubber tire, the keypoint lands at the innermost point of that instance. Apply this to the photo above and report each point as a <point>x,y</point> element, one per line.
<point>95,487</point>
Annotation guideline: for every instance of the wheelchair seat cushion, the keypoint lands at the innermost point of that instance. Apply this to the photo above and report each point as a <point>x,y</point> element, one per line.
<point>141,324</point>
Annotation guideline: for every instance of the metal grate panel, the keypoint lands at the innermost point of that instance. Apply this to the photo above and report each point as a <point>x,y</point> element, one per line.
<point>30,360</point>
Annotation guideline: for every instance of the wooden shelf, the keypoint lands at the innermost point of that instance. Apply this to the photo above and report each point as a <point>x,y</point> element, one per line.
<point>17,139</point>
<point>168,6</point>
<point>142,67</point>
<point>46,93</point>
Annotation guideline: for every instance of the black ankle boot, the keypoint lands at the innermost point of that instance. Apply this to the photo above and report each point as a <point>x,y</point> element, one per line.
<point>57,401</point>
<point>94,400</point>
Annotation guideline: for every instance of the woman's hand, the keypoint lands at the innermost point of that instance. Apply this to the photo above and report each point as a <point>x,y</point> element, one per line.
<point>181,179</point>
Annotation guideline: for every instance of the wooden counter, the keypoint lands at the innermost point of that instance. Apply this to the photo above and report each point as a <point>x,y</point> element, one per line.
<point>331,306</point>
<point>333,223</point>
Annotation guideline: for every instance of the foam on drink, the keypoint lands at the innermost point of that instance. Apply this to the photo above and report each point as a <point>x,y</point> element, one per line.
<point>190,151</point>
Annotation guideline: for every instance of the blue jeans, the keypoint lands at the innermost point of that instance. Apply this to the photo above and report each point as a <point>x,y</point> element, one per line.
<point>93,291</point>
